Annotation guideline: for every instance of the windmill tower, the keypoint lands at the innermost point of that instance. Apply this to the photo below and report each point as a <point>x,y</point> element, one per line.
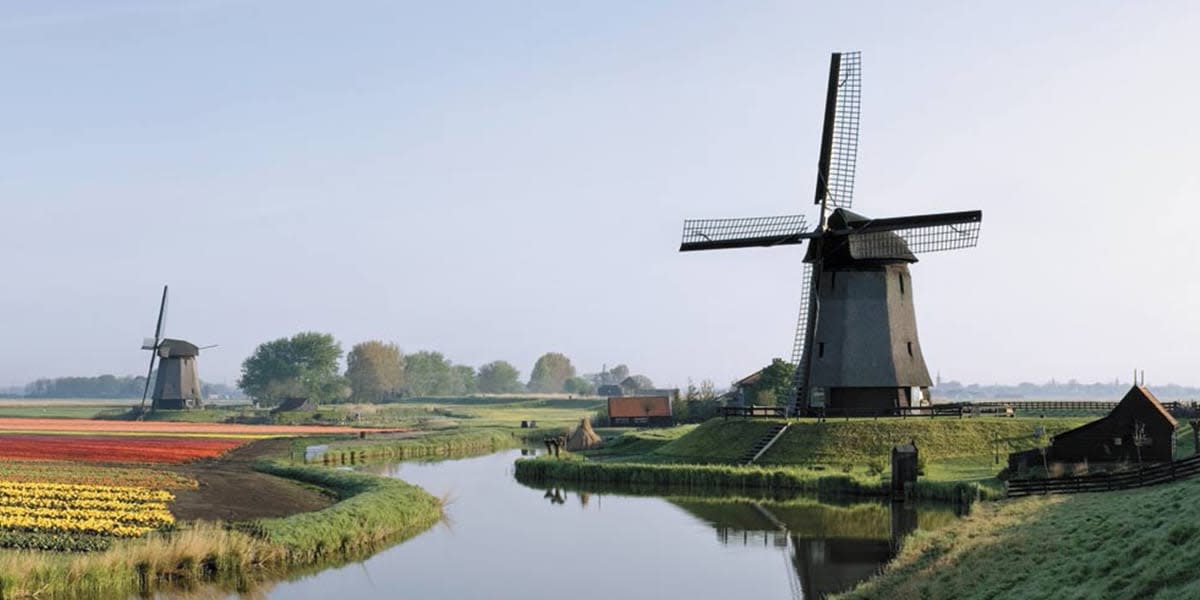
<point>856,349</point>
<point>177,385</point>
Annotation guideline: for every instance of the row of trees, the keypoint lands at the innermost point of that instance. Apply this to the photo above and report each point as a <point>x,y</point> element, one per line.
<point>307,365</point>
<point>103,386</point>
<point>108,386</point>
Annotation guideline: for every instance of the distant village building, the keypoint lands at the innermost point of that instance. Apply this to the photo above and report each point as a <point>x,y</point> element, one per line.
<point>610,390</point>
<point>1138,422</point>
<point>640,411</point>
<point>736,396</point>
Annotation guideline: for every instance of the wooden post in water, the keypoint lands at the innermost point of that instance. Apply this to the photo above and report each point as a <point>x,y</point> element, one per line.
<point>904,469</point>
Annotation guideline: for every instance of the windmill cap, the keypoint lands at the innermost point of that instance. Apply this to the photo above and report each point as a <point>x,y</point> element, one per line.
<point>172,348</point>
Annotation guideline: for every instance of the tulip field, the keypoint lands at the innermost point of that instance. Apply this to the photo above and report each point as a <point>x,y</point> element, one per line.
<point>73,517</point>
<point>113,448</point>
<point>74,485</point>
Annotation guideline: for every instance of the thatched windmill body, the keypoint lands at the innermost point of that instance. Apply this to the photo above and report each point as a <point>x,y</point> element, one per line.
<point>856,348</point>
<point>177,385</point>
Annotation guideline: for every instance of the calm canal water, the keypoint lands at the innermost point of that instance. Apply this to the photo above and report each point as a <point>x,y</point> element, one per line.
<point>504,540</point>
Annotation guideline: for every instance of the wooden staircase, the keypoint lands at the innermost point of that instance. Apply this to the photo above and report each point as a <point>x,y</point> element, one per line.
<point>763,444</point>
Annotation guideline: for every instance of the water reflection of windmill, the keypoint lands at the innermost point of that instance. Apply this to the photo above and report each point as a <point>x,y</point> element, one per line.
<point>827,549</point>
<point>177,384</point>
<point>856,346</point>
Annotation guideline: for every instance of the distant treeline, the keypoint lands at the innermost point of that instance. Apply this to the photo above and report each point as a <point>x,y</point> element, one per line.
<point>953,390</point>
<point>108,387</point>
<point>102,386</point>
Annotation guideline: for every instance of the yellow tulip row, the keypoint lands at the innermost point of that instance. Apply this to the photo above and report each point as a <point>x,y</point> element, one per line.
<point>117,511</point>
<point>149,518</point>
<point>46,502</point>
<point>73,491</point>
<point>108,527</point>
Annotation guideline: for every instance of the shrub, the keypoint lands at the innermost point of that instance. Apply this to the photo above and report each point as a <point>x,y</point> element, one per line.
<point>875,467</point>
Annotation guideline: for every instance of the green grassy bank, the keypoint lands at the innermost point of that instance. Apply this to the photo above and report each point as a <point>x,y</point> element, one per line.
<point>1132,544</point>
<point>702,477</point>
<point>856,441</point>
<point>846,457</point>
<point>371,512</point>
<point>345,452</point>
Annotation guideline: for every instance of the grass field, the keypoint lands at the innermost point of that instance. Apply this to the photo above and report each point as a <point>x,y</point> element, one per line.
<point>1133,544</point>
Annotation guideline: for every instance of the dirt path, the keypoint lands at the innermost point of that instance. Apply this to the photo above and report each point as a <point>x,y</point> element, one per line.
<point>231,490</point>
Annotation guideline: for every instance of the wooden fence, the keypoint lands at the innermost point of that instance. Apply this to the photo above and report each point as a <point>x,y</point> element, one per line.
<point>760,412</point>
<point>1103,482</point>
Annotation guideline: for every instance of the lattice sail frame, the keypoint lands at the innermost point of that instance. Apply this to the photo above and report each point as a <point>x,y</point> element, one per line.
<point>749,229</point>
<point>917,240</point>
<point>843,156</point>
<point>802,318</point>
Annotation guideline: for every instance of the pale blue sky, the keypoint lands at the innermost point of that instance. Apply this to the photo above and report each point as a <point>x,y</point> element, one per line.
<point>495,180</point>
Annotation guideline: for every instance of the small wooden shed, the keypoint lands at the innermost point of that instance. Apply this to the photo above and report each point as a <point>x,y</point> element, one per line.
<point>640,411</point>
<point>1138,420</point>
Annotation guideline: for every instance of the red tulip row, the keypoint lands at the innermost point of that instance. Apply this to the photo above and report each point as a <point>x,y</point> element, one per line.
<point>113,449</point>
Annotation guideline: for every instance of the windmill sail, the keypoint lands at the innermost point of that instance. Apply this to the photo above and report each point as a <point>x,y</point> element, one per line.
<point>916,234</point>
<point>715,234</point>
<point>802,343</point>
<point>839,136</point>
<point>152,346</point>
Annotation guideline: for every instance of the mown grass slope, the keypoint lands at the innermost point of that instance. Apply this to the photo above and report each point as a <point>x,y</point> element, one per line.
<point>714,441</point>
<point>858,440</point>
<point>1133,544</point>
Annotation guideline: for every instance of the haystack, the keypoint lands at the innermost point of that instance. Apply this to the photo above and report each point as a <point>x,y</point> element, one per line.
<point>583,438</point>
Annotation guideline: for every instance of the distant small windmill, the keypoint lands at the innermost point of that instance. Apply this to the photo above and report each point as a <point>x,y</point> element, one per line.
<point>177,385</point>
<point>856,347</point>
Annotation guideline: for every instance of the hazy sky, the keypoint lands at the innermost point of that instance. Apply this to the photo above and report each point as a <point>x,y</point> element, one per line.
<point>495,180</point>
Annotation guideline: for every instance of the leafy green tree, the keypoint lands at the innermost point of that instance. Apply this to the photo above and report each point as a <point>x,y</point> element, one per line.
<point>550,373</point>
<point>579,385</point>
<point>774,385</point>
<point>634,383</point>
<point>428,374</point>
<point>499,377</point>
<point>618,374</point>
<point>463,380</point>
<point>305,365</point>
<point>375,370</point>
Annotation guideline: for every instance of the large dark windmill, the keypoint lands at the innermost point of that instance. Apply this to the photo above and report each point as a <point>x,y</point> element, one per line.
<point>856,348</point>
<point>177,385</point>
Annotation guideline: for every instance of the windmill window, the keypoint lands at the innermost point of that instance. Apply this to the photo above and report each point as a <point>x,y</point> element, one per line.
<point>910,349</point>
<point>820,349</point>
<point>901,277</point>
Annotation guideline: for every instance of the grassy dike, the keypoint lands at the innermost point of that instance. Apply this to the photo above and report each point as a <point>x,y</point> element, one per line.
<point>833,458</point>
<point>371,512</point>
<point>437,444</point>
<point>701,477</point>
<point>1132,544</point>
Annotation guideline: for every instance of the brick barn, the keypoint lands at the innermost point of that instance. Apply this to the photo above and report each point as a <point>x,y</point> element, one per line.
<point>640,411</point>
